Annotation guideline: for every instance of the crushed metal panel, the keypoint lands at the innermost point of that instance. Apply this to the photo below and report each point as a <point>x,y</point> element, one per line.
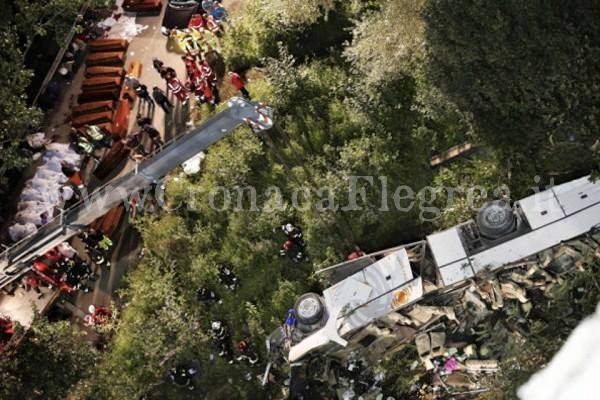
<point>456,272</point>
<point>348,291</point>
<point>578,194</point>
<point>392,270</point>
<point>345,270</point>
<point>393,287</point>
<point>347,295</point>
<point>541,209</point>
<point>446,247</point>
<point>538,240</point>
<point>381,277</point>
<point>312,342</point>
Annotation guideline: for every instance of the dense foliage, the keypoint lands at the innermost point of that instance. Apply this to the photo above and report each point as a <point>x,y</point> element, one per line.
<point>24,21</point>
<point>528,74</point>
<point>49,363</point>
<point>410,79</point>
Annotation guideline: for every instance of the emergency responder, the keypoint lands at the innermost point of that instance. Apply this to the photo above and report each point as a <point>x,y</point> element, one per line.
<point>84,146</point>
<point>164,71</point>
<point>133,143</point>
<point>98,136</point>
<point>204,92</point>
<point>208,74</point>
<point>162,100</point>
<point>76,273</point>
<point>293,232</point>
<point>175,86</point>
<point>142,93</point>
<point>206,295</point>
<point>98,246</point>
<point>182,375</point>
<point>145,124</point>
<point>158,65</point>
<point>293,250</point>
<point>222,339</point>
<point>98,315</point>
<point>227,278</point>
<point>246,353</point>
<point>238,82</point>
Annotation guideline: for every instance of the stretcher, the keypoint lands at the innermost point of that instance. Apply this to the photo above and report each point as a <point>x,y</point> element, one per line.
<point>121,119</point>
<point>102,82</point>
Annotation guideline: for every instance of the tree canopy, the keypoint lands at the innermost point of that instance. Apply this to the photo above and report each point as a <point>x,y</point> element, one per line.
<point>359,89</point>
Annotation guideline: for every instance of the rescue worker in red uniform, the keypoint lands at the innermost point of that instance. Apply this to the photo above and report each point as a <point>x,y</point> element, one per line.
<point>208,74</point>
<point>356,253</point>
<point>195,82</point>
<point>213,26</point>
<point>196,22</point>
<point>238,82</point>
<point>175,86</point>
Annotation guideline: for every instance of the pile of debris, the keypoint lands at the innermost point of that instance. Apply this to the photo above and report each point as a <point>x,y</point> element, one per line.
<point>467,343</point>
<point>461,334</point>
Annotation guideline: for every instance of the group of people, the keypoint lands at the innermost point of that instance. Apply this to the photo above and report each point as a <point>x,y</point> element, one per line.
<point>158,96</point>
<point>98,245</point>
<point>88,139</point>
<point>134,143</point>
<point>201,80</point>
<point>221,337</point>
<point>174,85</point>
<point>219,331</point>
<point>203,31</point>
<point>63,268</point>
<point>60,267</point>
<point>49,189</point>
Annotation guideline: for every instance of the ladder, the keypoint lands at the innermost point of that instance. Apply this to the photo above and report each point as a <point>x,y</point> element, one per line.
<point>16,260</point>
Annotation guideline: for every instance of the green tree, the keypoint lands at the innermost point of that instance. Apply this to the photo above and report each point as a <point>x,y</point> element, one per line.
<point>524,70</point>
<point>17,118</point>
<point>388,41</point>
<point>49,362</point>
<point>24,21</point>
